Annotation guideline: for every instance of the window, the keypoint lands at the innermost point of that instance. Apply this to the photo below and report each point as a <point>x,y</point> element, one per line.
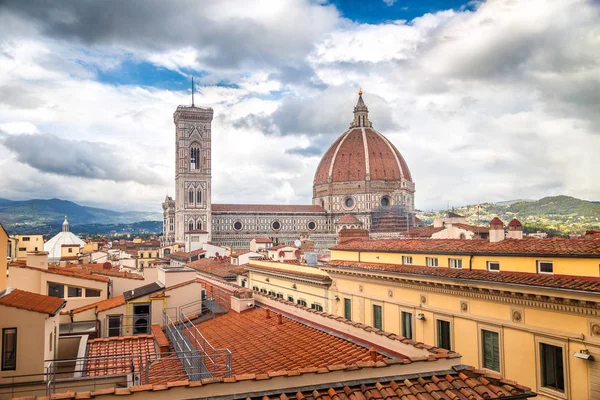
<point>545,267</point>
<point>348,309</point>
<point>407,325</point>
<point>22,248</point>
<point>493,266</point>
<point>490,348</point>
<point>443,334</point>
<point>9,349</point>
<point>455,262</point>
<point>280,295</point>
<point>70,250</point>
<point>255,288</point>
<point>191,226</point>
<point>349,202</point>
<point>191,197</point>
<point>199,225</point>
<point>385,201</point>
<point>56,290</point>
<point>237,225</point>
<point>194,158</point>
<point>272,293</point>
<point>276,225</point>
<point>75,291</point>
<point>50,341</point>
<point>377,317</point>
<point>552,367</point>
<point>406,260</point>
<point>290,298</point>
<point>199,197</point>
<point>114,325</point>
<point>312,225</point>
<point>431,261</point>
<point>302,302</point>
<point>92,293</point>
<point>316,306</point>
<point>263,290</point>
<point>26,239</point>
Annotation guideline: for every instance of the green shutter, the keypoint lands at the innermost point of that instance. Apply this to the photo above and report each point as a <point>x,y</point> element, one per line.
<point>348,309</point>
<point>407,325</point>
<point>377,317</point>
<point>491,350</point>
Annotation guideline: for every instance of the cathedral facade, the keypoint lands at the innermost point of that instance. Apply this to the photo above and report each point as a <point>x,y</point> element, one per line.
<point>361,182</point>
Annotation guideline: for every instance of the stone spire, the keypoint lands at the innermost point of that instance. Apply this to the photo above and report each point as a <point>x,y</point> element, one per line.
<point>65,226</point>
<point>361,113</point>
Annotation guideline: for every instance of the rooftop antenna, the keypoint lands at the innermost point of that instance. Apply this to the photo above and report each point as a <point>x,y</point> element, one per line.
<point>192,91</point>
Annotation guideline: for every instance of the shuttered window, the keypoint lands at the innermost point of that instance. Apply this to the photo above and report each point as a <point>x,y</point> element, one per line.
<point>407,325</point>
<point>443,334</point>
<point>377,317</point>
<point>9,349</point>
<point>491,350</point>
<point>553,373</point>
<point>348,309</point>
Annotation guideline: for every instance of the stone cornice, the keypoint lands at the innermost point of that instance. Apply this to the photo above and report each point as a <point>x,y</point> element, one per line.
<point>509,296</point>
<point>291,277</point>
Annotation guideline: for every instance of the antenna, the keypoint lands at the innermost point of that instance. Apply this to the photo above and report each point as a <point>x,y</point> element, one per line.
<point>192,91</point>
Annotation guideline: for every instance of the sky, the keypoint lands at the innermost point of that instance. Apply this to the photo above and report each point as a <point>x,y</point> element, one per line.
<point>487,101</point>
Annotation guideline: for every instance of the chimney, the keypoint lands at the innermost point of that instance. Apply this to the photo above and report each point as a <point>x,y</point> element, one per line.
<point>279,319</point>
<point>496,230</point>
<point>515,229</point>
<point>37,259</point>
<point>372,354</point>
<point>268,312</point>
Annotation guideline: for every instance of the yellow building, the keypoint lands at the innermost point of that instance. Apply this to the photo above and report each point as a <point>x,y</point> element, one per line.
<point>528,309</point>
<point>27,243</point>
<point>4,244</point>
<point>147,254</point>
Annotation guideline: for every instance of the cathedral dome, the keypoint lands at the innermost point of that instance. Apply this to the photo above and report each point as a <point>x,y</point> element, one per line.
<point>362,154</point>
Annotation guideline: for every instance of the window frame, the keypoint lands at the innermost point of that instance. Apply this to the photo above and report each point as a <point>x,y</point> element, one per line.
<point>93,290</point>
<point>316,306</point>
<point>301,302</point>
<point>497,330</point>
<point>427,259</point>
<point>538,266</point>
<point>487,264</point>
<point>403,327</point>
<point>456,261</point>
<point>439,319</point>
<point>348,308</point>
<point>380,306</point>
<point>3,366</point>
<point>407,260</point>
<point>58,284</point>
<point>546,390</point>
<point>75,296</point>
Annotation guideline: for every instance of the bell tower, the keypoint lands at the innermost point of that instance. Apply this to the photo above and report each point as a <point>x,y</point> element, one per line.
<point>192,169</point>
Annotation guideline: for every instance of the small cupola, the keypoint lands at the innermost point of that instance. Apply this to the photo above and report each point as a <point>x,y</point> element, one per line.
<point>65,225</point>
<point>361,114</point>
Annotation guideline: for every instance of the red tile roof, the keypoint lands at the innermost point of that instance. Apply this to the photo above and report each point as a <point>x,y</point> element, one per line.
<point>465,384</point>
<point>424,232</point>
<point>262,240</point>
<point>101,305</point>
<point>523,247</point>
<point>111,356</point>
<point>515,222</point>
<point>166,369</point>
<point>188,254</point>
<point>348,219</point>
<point>24,300</point>
<point>212,266</point>
<point>569,282</point>
<point>473,228</point>
<point>258,344</point>
<point>267,208</point>
<point>97,269</point>
<point>63,271</point>
<point>496,221</point>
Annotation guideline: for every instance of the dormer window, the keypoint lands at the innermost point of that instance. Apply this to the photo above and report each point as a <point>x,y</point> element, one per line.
<point>545,267</point>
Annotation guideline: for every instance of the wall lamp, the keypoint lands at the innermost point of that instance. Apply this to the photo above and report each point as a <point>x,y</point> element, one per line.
<point>584,355</point>
<point>267,279</point>
<point>336,297</point>
<point>420,317</point>
<point>294,286</point>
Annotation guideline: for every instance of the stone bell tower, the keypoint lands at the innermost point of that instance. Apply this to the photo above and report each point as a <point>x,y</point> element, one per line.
<point>192,169</point>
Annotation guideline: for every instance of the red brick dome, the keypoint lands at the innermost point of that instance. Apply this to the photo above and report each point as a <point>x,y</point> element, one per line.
<point>359,153</point>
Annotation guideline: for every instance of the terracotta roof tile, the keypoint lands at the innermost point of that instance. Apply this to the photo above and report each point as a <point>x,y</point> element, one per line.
<point>221,268</point>
<point>133,352</point>
<point>526,246</point>
<point>262,240</point>
<point>348,219</point>
<point>569,282</point>
<point>289,272</point>
<point>424,232</point>
<point>102,305</point>
<point>24,300</point>
<point>259,344</point>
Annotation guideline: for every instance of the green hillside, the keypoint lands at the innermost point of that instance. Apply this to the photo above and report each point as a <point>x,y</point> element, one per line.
<point>556,215</point>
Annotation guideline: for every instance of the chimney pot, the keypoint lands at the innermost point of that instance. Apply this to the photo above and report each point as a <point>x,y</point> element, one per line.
<point>268,312</point>
<point>279,319</point>
<point>372,354</point>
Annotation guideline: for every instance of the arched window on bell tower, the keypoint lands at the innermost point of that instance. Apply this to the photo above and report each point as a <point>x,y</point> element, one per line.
<point>191,197</point>
<point>191,226</point>
<point>194,158</point>
<point>199,196</point>
<point>199,225</point>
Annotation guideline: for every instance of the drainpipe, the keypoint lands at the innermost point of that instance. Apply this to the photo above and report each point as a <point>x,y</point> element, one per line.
<point>359,256</point>
<point>470,262</point>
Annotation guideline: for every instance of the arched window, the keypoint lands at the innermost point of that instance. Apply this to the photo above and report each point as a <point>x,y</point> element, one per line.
<point>191,197</point>
<point>194,158</point>
<point>191,226</point>
<point>199,197</point>
<point>199,225</point>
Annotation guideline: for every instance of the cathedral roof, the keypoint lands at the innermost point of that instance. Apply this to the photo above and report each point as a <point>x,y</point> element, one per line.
<point>348,219</point>
<point>361,153</point>
<point>266,208</point>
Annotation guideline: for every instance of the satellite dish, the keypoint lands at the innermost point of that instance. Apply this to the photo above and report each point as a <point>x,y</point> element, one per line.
<point>297,243</point>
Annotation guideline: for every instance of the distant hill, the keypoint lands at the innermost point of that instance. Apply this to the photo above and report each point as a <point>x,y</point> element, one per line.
<point>557,215</point>
<point>47,216</point>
